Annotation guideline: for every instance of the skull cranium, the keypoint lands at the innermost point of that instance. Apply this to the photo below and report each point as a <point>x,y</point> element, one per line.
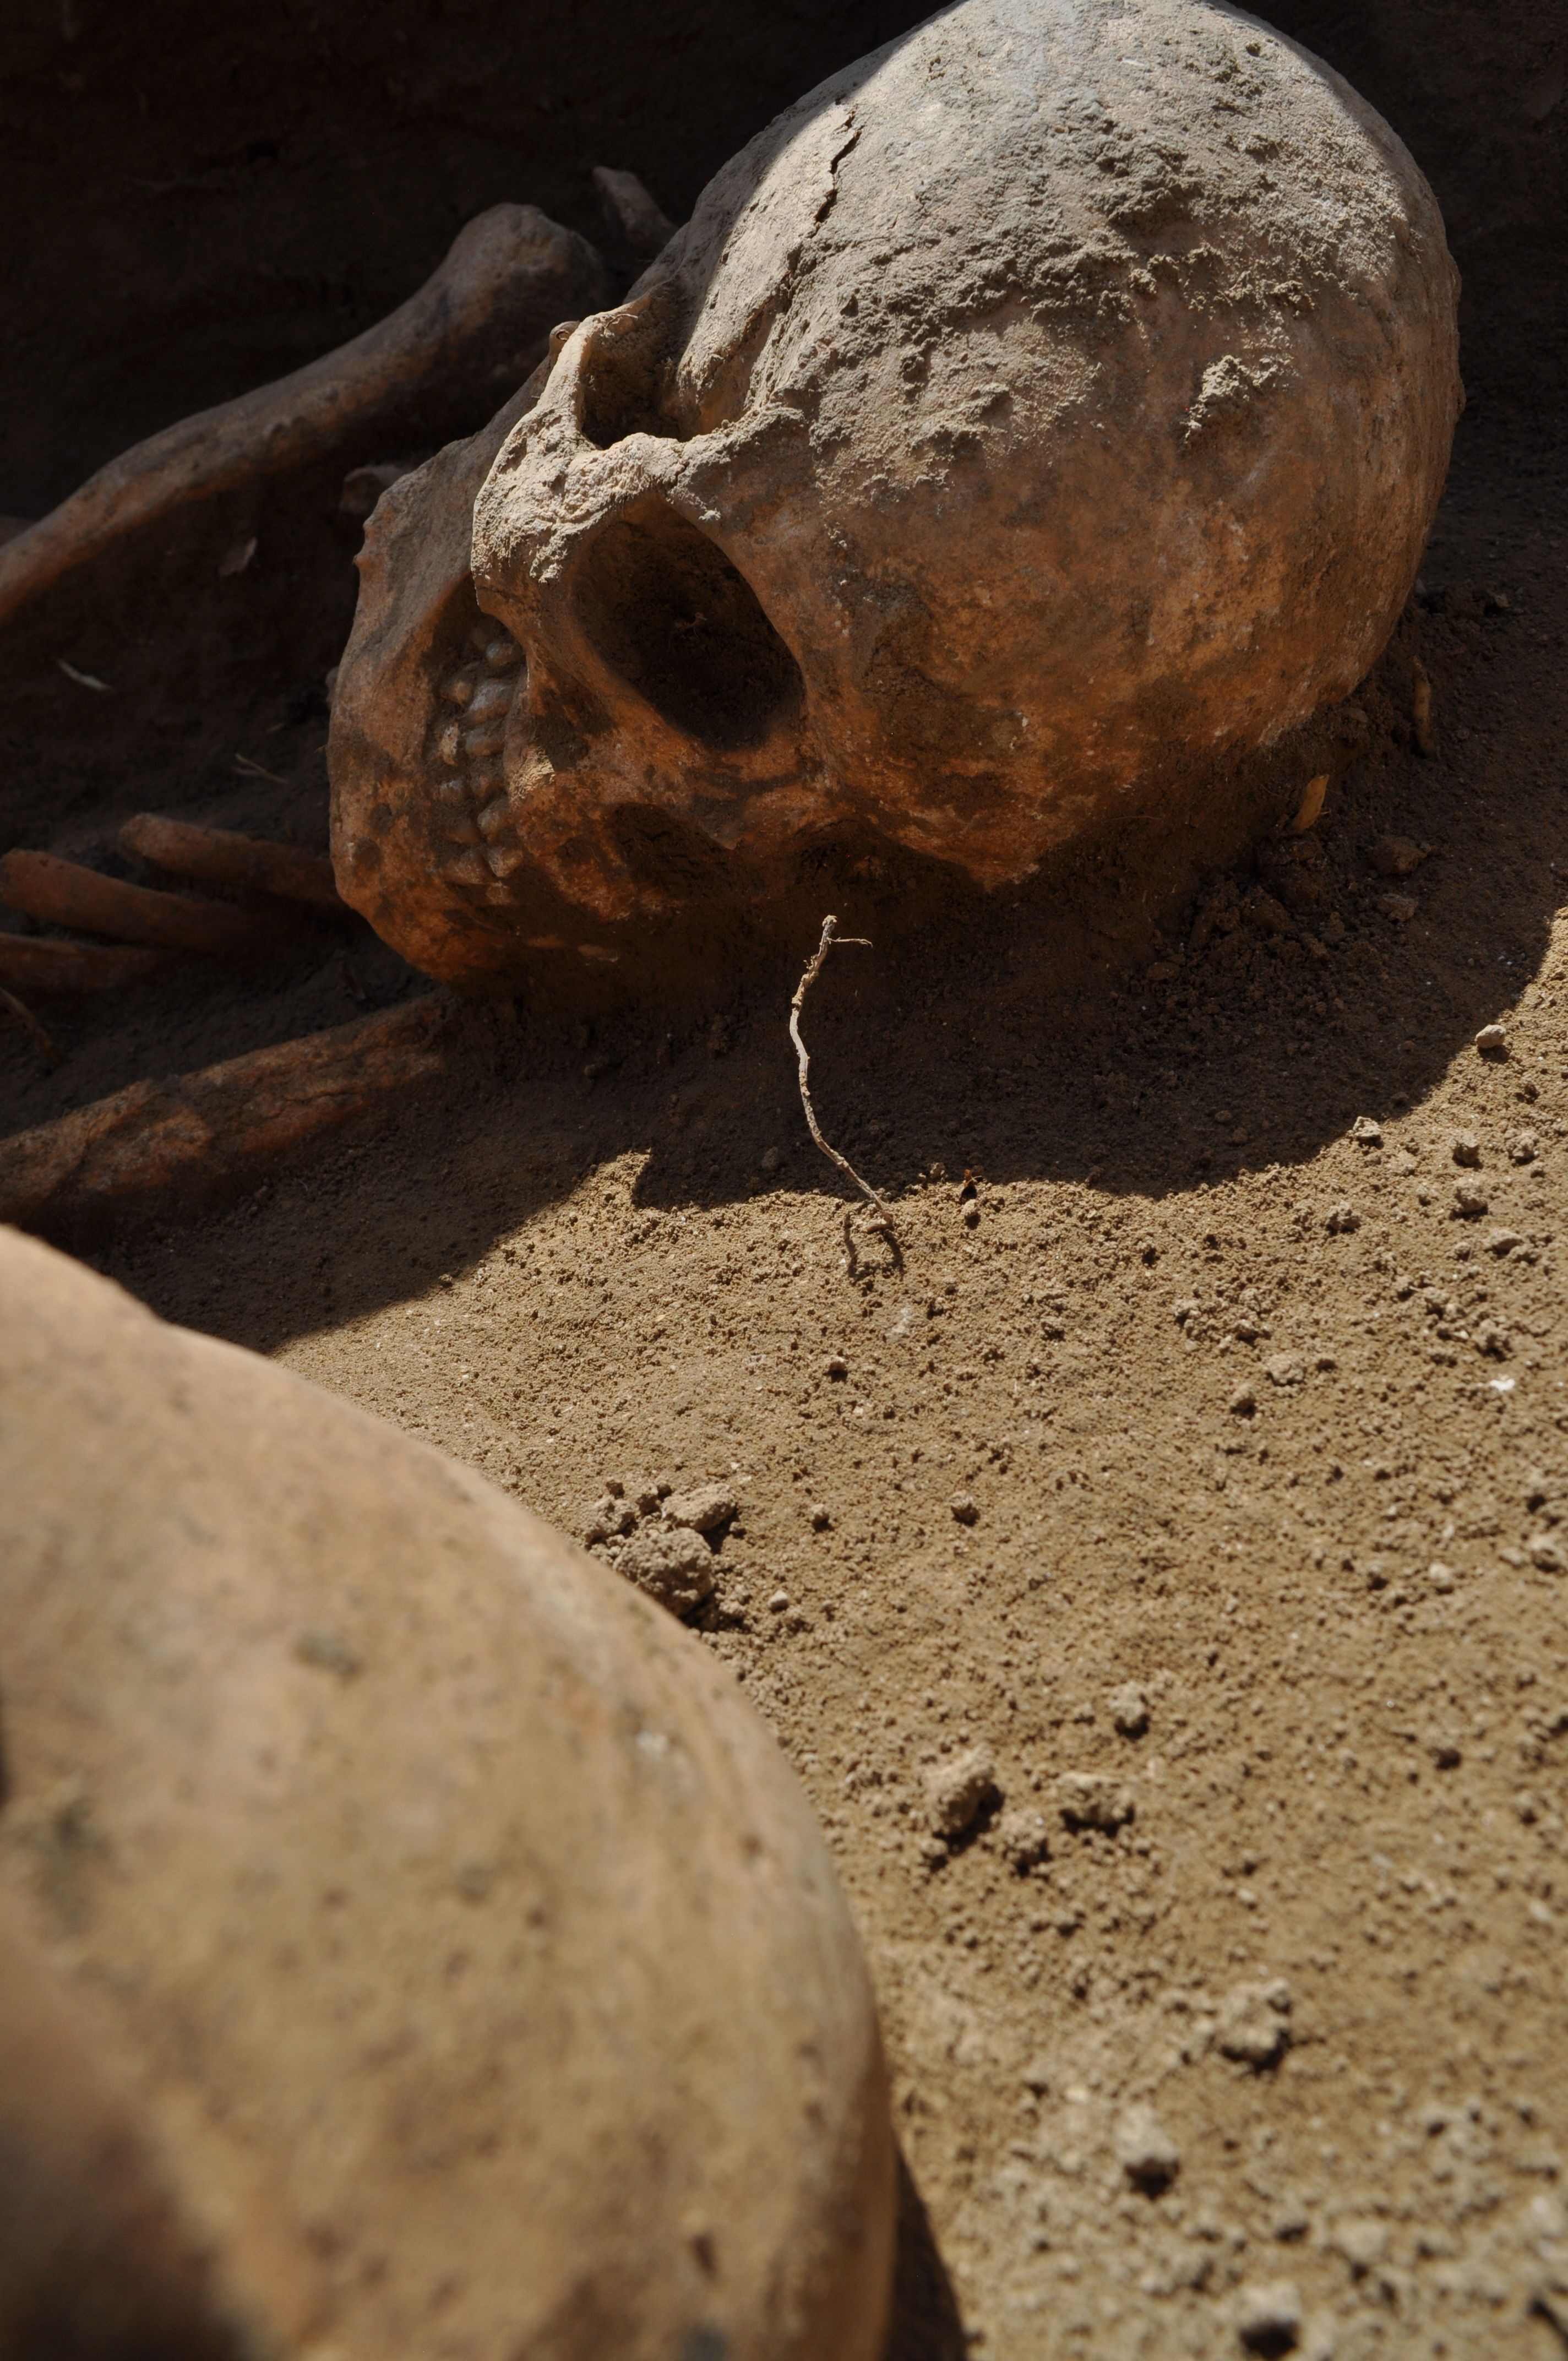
<point>1043,410</point>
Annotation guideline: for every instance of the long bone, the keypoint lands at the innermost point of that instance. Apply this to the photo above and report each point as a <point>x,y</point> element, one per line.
<point>217,1124</point>
<point>442,360</point>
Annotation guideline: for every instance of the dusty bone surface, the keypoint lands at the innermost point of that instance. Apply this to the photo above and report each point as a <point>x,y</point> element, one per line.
<point>1014,432</point>
<point>418,1922</point>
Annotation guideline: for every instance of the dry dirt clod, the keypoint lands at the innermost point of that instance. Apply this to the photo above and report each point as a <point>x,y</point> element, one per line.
<point>671,1564</point>
<point>1254,2023</point>
<point>958,1791</point>
<point>1023,1838</point>
<point>1146,2151</point>
<point>965,1508</point>
<point>1492,1040</point>
<point>1465,1148</point>
<point>704,1509</point>
<point>1469,1200</point>
<point>1397,856</point>
<point>1094,1799</point>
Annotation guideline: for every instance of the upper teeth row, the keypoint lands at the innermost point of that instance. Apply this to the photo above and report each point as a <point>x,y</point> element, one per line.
<point>477,810</point>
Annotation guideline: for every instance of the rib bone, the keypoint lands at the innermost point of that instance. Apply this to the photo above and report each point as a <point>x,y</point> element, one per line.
<point>66,893</point>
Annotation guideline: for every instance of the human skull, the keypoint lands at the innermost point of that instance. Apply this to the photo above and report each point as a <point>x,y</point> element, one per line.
<point>1043,412</point>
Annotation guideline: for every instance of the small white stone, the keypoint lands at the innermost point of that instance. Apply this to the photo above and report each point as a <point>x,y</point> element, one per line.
<point>1146,2151</point>
<point>1130,1709</point>
<point>1268,2315</point>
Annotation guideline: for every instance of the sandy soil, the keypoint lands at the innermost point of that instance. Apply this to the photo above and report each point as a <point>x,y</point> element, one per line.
<point>1212,1450</point>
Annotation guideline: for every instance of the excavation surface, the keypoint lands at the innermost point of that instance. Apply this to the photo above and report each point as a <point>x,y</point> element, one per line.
<point>1211,1448</point>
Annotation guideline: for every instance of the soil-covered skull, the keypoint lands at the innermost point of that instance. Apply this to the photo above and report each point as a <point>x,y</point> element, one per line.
<point>1046,409</point>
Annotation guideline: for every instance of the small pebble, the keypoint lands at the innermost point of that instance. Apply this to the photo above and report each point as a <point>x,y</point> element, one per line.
<point>1493,1040</point>
<point>1465,1148</point>
<point>837,1366</point>
<point>1146,2151</point>
<point>1268,2316</point>
<point>779,1603</point>
<point>1362,2241</point>
<point>964,1508</point>
<point>1284,1369</point>
<point>1253,2025</point>
<point>1130,1709</point>
<point>821,1516</point>
<point>1367,1130</point>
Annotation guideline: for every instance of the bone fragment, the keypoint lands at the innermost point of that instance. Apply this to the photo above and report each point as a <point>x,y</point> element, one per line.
<point>638,225</point>
<point>218,856</point>
<point>36,963</point>
<point>1421,708</point>
<point>65,894</point>
<point>213,1125</point>
<point>453,351</point>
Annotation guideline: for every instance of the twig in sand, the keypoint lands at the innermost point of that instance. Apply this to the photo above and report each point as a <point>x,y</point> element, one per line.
<point>813,966</point>
<point>24,1016</point>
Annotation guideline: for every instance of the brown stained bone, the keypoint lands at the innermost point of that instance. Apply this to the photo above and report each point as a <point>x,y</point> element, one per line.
<point>963,473</point>
<point>65,894</point>
<point>93,2232</point>
<point>474,330</point>
<point>449,1917</point>
<point>36,963</point>
<point>218,856</point>
<point>196,1131</point>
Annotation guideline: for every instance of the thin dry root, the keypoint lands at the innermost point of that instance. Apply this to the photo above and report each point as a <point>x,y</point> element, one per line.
<point>37,963</point>
<point>814,965</point>
<point>217,856</point>
<point>204,1128</point>
<point>64,894</point>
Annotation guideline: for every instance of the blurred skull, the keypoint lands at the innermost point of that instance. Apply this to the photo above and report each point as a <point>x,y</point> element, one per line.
<point>1045,409</point>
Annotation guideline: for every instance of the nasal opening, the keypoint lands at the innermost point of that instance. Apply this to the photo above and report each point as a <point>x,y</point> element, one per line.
<point>669,614</point>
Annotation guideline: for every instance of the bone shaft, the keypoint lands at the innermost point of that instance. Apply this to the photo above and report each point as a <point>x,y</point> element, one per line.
<point>218,856</point>
<point>64,894</point>
<point>33,964</point>
<point>476,327</point>
<point>197,1131</point>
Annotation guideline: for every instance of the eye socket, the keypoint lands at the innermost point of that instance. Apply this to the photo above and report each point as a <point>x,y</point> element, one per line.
<point>619,389</point>
<point>668,612</point>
